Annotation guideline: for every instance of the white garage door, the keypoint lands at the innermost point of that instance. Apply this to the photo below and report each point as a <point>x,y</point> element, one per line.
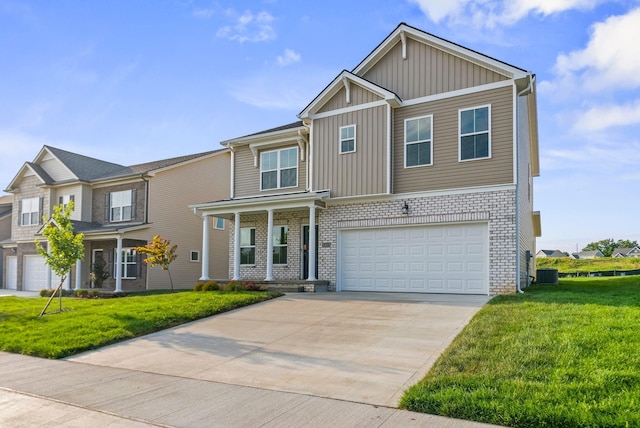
<point>12,272</point>
<point>422,259</point>
<point>35,274</point>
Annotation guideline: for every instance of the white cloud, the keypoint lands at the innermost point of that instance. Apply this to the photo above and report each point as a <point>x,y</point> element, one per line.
<point>610,59</point>
<point>203,13</point>
<point>249,27</point>
<point>491,13</point>
<point>602,117</point>
<point>288,57</point>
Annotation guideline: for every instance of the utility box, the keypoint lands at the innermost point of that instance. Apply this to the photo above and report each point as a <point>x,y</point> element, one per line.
<point>547,276</point>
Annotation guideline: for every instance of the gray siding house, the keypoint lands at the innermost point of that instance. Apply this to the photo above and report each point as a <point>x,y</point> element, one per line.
<point>415,170</point>
<point>117,208</point>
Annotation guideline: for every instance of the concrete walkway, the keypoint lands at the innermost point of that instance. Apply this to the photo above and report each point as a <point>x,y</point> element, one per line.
<point>340,359</point>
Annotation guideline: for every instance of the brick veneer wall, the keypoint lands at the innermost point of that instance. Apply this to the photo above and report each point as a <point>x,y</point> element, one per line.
<point>496,208</point>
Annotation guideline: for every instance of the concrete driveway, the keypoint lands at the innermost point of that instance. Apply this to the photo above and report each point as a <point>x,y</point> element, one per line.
<point>360,347</point>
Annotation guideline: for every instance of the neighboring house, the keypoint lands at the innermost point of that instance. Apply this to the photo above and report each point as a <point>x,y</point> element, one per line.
<point>6,205</point>
<point>626,252</point>
<point>587,255</point>
<point>118,208</point>
<point>550,253</point>
<point>414,169</point>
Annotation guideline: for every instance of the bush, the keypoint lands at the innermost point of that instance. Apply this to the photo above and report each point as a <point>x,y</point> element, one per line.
<point>81,293</point>
<point>47,292</point>
<point>210,286</point>
<point>234,286</point>
<point>87,294</point>
<point>251,286</point>
<point>199,285</point>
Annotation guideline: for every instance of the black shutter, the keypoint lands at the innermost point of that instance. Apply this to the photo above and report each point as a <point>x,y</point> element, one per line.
<point>60,200</point>
<point>41,211</point>
<point>20,213</point>
<point>107,201</point>
<point>133,204</point>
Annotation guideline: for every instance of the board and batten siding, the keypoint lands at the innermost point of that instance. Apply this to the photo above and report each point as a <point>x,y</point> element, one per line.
<point>357,94</point>
<point>351,174</point>
<point>247,176</point>
<point>447,172</point>
<point>427,71</point>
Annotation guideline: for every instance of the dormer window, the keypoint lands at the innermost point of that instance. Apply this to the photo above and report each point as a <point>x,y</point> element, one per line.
<point>279,169</point>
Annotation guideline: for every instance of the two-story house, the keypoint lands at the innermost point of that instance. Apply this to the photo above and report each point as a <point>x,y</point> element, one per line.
<point>118,208</point>
<point>414,169</point>
<point>6,206</point>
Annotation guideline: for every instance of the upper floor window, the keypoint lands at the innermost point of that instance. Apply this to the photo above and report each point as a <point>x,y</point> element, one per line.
<point>418,141</point>
<point>30,211</point>
<point>122,205</point>
<point>475,133</point>
<point>279,169</point>
<point>280,237</point>
<point>347,139</point>
<point>248,246</point>
<point>65,199</point>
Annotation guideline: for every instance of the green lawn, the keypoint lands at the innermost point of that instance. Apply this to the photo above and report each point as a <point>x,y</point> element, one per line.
<point>557,356</point>
<point>566,264</point>
<point>91,323</point>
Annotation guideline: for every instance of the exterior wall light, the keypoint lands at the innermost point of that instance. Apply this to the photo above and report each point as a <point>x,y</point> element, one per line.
<point>405,208</point>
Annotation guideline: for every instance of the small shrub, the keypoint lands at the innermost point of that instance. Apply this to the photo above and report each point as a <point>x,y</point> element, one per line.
<point>199,285</point>
<point>47,292</point>
<point>94,294</point>
<point>81,293</point>
<point>234,286</point>
<point>210,286</point>
<point>251,286</point>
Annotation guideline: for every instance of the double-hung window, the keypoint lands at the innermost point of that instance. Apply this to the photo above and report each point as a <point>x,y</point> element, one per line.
<point>218,223</point>
<point>248,246</point>
<point>475,133</point>
<point>280,234</point>
<point>122,205</point>
<point>279,169</point>
<point>418,141</point>
<point>347,139</point>
<point>65,199</point>
<point>129,266</point>
<point>30,211</point>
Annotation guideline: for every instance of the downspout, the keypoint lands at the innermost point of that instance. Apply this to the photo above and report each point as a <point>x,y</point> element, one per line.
<point>519,94</point>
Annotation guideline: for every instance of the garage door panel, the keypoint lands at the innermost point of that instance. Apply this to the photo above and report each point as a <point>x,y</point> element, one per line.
<point>442,259</point>
<point>36,274</point>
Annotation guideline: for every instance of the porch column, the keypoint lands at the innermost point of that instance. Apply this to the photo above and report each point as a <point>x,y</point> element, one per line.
<point>119,265</point>
<point>269,245</point>
<point>49,272</point>
<point>78,274</point>
<point>205,248</point>
<point>236,246</point>
<point>67,281</point>
<point>312,243</point>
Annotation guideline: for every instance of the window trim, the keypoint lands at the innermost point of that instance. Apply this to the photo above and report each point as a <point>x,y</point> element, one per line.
<point>125,263</point>
<point>132,204</point>
<point>35,200</point>
<point>285,245</point>
<point>430,140</point>
<point>488,132</point>
<point>342,140</point>
<point>279,169</point>
<point>197,258</point>
<point>250,246</point>
<point>216,220</point>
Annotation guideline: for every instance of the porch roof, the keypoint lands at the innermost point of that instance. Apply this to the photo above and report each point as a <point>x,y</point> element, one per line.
<point>227,208</point>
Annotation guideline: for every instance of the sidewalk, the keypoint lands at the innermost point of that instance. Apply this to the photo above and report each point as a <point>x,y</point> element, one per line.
<point>39,392</point>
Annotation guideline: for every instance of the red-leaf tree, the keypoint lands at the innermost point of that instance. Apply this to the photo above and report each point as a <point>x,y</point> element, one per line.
<point>161,253</point>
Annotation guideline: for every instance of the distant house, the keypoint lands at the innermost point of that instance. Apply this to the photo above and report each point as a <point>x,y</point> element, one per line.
<point>587,255</point>
<point>6,207</point>
<point>550,253</point>
<point>626,252</point>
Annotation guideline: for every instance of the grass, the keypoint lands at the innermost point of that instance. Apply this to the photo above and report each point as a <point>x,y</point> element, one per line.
<point>557,356</point>
<point>91,323</point>
<point>567,264</point>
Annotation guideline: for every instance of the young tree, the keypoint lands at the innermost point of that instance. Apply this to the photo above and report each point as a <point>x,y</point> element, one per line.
<point>160,252</point>
<point>64,247</point>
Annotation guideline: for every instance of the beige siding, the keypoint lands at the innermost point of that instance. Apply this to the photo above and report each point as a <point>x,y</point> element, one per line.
<point>82,204</point>
<point>426,71</point>
<point>56,169</point>
<point>525,195</point>
<point>351,174</point>
<point>447,172</point>
<point>247,176</point>
<point>170,194</point>
<point>358,95</point>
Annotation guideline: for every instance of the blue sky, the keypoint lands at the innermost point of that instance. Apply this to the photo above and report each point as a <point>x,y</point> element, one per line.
<point>135,81</point>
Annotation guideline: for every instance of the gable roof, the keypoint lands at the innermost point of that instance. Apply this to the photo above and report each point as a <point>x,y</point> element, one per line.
<point>552,253</point>
<point>624,251</point>
<point>404,30</point>
<point>85,168</point>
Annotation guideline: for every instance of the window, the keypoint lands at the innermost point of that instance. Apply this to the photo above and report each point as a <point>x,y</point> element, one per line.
<point>248,246</point>
<point>65,199</point>
<point>122,205</point>
<point>218,223</point>
<point>129,263</point>
<point>475,141</point>
<point>347,139</point>
<point>30,212</point>
<point>195,256</point>
<point>280,234</point>
<point>418,141</point>
<point>279,169</point>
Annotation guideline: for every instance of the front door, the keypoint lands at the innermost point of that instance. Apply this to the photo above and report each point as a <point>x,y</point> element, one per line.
<point>305,252</point>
